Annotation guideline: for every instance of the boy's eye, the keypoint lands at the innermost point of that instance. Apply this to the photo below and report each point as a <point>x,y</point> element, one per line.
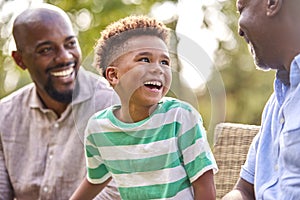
<point>144,60</point>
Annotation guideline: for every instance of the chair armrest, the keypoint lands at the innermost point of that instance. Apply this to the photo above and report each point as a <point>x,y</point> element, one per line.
<point>231,144</point>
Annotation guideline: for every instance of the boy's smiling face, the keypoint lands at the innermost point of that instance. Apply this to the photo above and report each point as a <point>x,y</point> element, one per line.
<point>142,74</point>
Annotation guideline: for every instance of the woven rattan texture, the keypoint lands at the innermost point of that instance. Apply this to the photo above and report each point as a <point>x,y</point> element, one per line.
<point>232,142</point>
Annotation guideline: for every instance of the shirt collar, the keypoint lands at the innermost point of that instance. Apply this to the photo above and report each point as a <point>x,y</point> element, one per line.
<point>283,76</point>
<point>285,80</point>
<point>34,99</point>
<point>84,88</point>
<point>295,72</point>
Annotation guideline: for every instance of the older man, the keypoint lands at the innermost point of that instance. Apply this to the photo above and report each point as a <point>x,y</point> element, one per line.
<point>272,168</point>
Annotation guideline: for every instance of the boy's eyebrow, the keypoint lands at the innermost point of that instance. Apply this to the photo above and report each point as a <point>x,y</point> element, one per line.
<point>146,53</point>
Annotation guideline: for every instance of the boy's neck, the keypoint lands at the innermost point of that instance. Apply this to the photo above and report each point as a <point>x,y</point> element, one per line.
<point>131,114</point>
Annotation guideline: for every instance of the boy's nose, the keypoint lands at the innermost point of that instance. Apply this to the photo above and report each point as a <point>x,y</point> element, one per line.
<point>157,68</point>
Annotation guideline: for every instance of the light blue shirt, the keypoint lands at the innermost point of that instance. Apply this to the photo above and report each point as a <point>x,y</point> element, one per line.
<point>273,161</point>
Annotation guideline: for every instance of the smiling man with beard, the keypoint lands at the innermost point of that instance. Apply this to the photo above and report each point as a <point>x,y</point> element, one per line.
<point>42,124</point>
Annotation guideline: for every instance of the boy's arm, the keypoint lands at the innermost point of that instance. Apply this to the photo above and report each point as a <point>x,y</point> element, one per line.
<point>204,187</point>
<point>87,190</point>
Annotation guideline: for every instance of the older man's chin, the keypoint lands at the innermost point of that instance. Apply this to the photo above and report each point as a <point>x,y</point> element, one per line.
<point>261,66</point>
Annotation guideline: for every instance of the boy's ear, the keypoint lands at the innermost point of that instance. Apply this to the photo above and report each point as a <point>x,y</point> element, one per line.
<point>18,59</point>
<point>112,75</point>
<point>273,7</point>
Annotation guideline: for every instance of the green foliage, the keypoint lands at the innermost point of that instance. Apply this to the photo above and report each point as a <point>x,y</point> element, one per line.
<point>100,14</point>
<point>247,89</point>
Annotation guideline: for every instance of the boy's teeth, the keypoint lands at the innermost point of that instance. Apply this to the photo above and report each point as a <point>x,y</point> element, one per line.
<point>157,83</point>
<point>66,72</point>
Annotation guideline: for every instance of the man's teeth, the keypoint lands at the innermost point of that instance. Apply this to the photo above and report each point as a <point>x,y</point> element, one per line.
<point>66,72</point>
<point>155,83</point>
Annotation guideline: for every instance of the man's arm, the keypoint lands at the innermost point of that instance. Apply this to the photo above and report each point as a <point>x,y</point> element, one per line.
<point>6,191</point>
<point>204,187</point>
<point>87,190</point>
<point>243,190</point>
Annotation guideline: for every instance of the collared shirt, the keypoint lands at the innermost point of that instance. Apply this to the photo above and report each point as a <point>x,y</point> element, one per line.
<point>273,161</point>
<point>41,154</point>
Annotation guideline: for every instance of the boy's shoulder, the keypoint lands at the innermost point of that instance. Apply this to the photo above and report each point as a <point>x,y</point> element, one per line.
<point>184,108</point>
<point>171,103</point>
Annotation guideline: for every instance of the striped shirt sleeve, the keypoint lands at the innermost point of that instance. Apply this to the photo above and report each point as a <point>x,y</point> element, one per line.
<point>97,172</point>
<point>195,150</point>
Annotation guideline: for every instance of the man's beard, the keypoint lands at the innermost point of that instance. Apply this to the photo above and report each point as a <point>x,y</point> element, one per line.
<point>63,97</point>
<point>261,66</point>
<point>258,61</point>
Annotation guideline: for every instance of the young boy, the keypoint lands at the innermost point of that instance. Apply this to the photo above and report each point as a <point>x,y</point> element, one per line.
<point>152,146</point>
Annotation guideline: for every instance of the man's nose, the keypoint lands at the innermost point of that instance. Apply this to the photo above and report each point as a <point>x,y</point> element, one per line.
<point>63,55</point>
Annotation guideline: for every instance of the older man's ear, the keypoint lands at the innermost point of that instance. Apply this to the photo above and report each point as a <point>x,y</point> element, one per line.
<point>18,59</point>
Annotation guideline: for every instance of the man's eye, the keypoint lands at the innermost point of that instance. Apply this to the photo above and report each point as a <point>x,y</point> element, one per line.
<point>144,60</point>
<point>239,9</point>
<point>45,50</point>
<point>72,44</point>
<point>165,62</point>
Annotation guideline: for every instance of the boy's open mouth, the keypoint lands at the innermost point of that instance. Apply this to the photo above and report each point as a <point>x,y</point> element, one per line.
<point>153,84</point>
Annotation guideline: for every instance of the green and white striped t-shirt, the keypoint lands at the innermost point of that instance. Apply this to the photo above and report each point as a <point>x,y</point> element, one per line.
<point>156,158</point>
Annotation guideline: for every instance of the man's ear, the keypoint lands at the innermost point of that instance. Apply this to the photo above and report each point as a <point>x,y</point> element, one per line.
<point>112,75</point>
<point>18,59</point>
<point>273,7</point>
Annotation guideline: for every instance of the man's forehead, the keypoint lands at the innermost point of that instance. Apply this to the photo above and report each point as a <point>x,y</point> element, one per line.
<point>42,19</point>
<point>42,15</point>
<point>35,33</point>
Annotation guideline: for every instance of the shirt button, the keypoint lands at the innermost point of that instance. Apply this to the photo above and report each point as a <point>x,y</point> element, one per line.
<point>56,125</point>
<point>276,167</point>
<point>50,156</point>
<point>281,120</point>
<point>45,189</point>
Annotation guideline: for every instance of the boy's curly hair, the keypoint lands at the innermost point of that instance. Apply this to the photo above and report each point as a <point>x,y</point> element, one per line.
<point>116,34</point>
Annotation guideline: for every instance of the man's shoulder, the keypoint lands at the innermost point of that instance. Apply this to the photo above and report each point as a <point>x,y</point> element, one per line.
<point>17,96</point>
<point>15,103</point>
<point>96,80</point>
<point>98,88</point>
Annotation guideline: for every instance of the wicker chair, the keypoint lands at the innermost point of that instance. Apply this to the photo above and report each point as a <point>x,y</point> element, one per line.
<point>232,142</point>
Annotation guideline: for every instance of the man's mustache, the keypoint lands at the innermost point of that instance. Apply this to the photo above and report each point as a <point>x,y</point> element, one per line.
<point>60,66</point>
